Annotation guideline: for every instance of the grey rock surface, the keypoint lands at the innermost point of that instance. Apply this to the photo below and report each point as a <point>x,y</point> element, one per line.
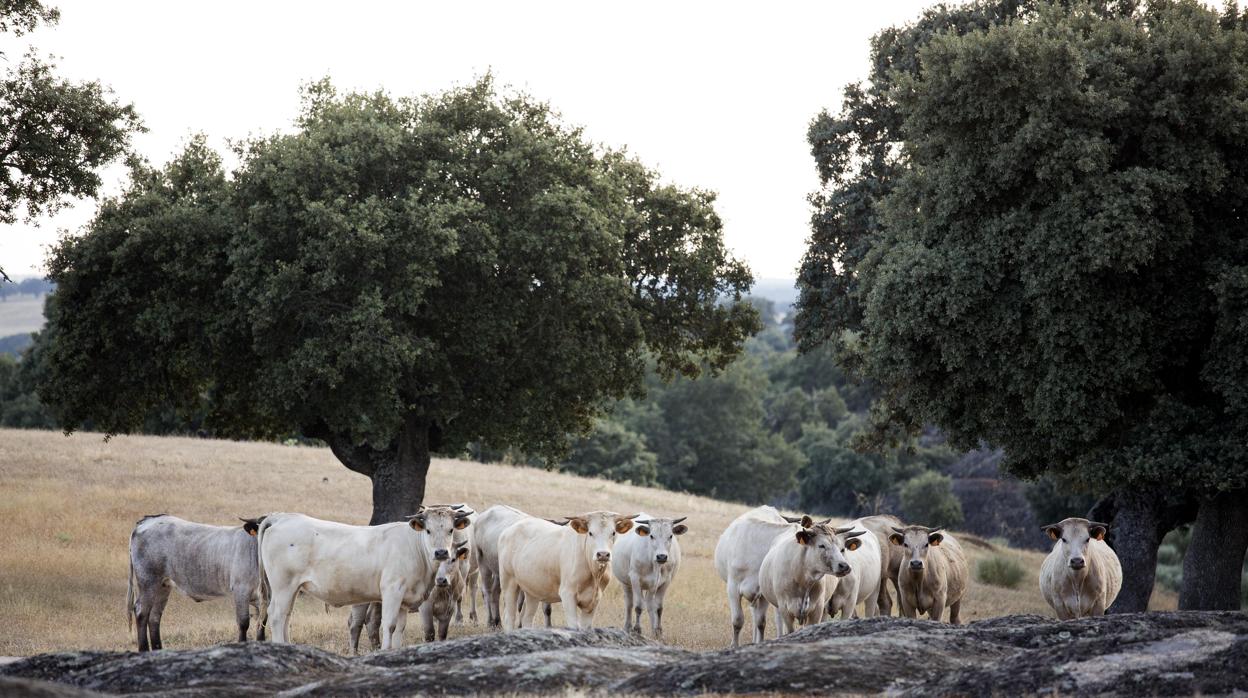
<point>1135,654</point>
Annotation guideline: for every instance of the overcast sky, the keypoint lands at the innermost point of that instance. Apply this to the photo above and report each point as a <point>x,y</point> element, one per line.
<point>715,95</point>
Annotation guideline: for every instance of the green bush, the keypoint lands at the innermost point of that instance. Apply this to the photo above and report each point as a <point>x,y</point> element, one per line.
<point>1169,554</point>
<point>928,499</point>
<point>1170,576</point>
<point>1000,571</point>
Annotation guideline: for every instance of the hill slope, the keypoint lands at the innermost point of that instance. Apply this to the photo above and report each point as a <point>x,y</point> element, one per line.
<point>69,504</point>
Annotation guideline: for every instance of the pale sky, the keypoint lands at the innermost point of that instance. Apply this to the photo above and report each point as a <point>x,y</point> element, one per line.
<point>714,95</point>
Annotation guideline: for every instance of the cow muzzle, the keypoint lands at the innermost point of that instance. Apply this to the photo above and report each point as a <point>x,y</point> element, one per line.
<point>1076,563</point>
<point>441,554</point>
<point>660,558</point>
<point>916,565</point>
<point>842,569</point>
<point>603,556</point>
<point>442,582</point>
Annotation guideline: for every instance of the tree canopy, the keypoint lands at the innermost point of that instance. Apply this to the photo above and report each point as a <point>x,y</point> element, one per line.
<point>54,134</point>
<point>393,276</point>
<point>1032,236</point>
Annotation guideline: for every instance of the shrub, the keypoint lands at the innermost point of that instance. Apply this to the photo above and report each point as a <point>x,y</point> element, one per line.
<point>1000,571</point>
<point>928,499</point>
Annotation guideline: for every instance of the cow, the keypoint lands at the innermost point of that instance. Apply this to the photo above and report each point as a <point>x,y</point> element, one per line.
<point>1081,575</point>
<point>341,564</point>
<point>201,560</point>
<point>862,584</point>
<point>933,574</point>
<point>890,557</point>
<point>551,563</point>
<point>739,558</point>
<point>792,574</point>
<point>448,589</point>
<point>369,615</point>
<point>645,565</point>
<point>489,525</point>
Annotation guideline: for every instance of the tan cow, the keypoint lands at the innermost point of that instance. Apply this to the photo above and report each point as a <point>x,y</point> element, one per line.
<point>550,563</point>
<point>739,555</point>
<point>933,573</point>
<point>791,577</point>
<point>1082,575</point>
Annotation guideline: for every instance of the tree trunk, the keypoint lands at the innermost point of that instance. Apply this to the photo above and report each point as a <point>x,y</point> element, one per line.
<point>1139,519</point>
<point>1214,562</point>
<point>398,471</point>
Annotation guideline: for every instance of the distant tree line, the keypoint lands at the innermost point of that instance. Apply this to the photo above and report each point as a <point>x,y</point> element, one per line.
<point>33,286</point>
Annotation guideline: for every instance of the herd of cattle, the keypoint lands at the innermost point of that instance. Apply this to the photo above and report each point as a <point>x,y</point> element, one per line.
<point>802,569</point>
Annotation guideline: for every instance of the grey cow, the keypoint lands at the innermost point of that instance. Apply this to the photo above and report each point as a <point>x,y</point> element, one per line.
<point>202,561</point>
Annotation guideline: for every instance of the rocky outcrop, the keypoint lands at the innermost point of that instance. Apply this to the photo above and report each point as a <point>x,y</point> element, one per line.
<point>1150,654</point>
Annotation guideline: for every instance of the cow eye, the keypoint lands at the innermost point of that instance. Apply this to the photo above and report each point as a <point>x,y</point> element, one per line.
<point>822,546</point>
<point>651,536</point>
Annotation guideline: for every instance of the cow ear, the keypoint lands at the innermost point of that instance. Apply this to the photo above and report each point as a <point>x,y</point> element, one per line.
<point>1098,532</point>
<point>680,529</point>
<point>462,553</point>
<point>643,531</point>
<point>853,544</point>
<point>579,525</point>
<point>896,539</point>
<point>935,539</point>
<point>461,522</point>
<point>1054,531</point>
<point>251,527</point>
<point>804,536</point>
<point>623,525</point>
<point>807,522</point>
<point>417,522</point>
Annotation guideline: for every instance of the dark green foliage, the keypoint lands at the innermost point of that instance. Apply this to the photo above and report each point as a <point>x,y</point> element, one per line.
<point>1036,239</point>
<point>1000,571</point>
<point>19,406</point>
<point>927,499</point>
<point>613,452</point>
<point>14,344</point>
<point>1052,500</point>
<point>54,134</point>
<point>396,275</point>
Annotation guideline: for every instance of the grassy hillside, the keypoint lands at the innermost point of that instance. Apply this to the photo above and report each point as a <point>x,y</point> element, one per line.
<point>21,314</point>
<point>68,505</point>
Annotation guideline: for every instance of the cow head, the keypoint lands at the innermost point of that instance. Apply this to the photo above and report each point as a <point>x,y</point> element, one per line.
<point>447,569</point>
<point>829,546</point>
<point>917,541</point>
<point>251,526</point>
<point>437,526</point>
<point>1072,537</point>
<point>657,536</point>
<point>600,529</point>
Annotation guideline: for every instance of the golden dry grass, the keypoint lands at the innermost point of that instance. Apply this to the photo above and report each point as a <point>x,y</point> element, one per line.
<point>68,504</point>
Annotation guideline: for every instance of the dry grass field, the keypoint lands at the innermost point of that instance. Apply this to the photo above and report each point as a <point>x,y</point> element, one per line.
<point>67,505</point>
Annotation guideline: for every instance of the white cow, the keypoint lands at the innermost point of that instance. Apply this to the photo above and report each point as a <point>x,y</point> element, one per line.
<point>342,565</point>
<point>645,565</point>
<point>486,529</point>
<point>557,564</point>
<point>792,574</point>
<point>862,584</point>
<point>1082,575</point>
<point>739,558</point>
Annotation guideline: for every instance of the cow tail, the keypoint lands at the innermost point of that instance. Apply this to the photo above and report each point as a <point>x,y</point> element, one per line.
<point>265,592</point>
<point>130,590</point>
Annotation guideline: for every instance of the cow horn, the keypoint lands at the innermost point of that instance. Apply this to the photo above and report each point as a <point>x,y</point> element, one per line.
<point>839,531</point>
<point>825,522</point>
<point>641,522</point>
<point>558,522</point>
<point>676,521</point>
<point>933,530</point>
<point>1102,525</point>
<point>631,517</point>
<point>854,534</point>
<point>902,531</point>
<point>791,519</point>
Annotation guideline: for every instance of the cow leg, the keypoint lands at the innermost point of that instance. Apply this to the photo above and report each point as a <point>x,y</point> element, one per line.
<point>628,607</point>
<point>426,619</point>
<point>471,591</point>
<point>444,627</point>
<point>547,609</point>
<point>158,610</point>
<point>656,610</point>
<point>571,613</point>
<point>142,610</point>
<point>260,621</point>
<point>884,601</point>
<point>390,610</point>
<point>355,623</point>
<point>510,598</point>
<point>760,618</point>
<point>280,602</point>
<point>738,615</point>
<point>938,608</point>
<point>956,608</point>
<point>400,630</point>
<point>242,612</point>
